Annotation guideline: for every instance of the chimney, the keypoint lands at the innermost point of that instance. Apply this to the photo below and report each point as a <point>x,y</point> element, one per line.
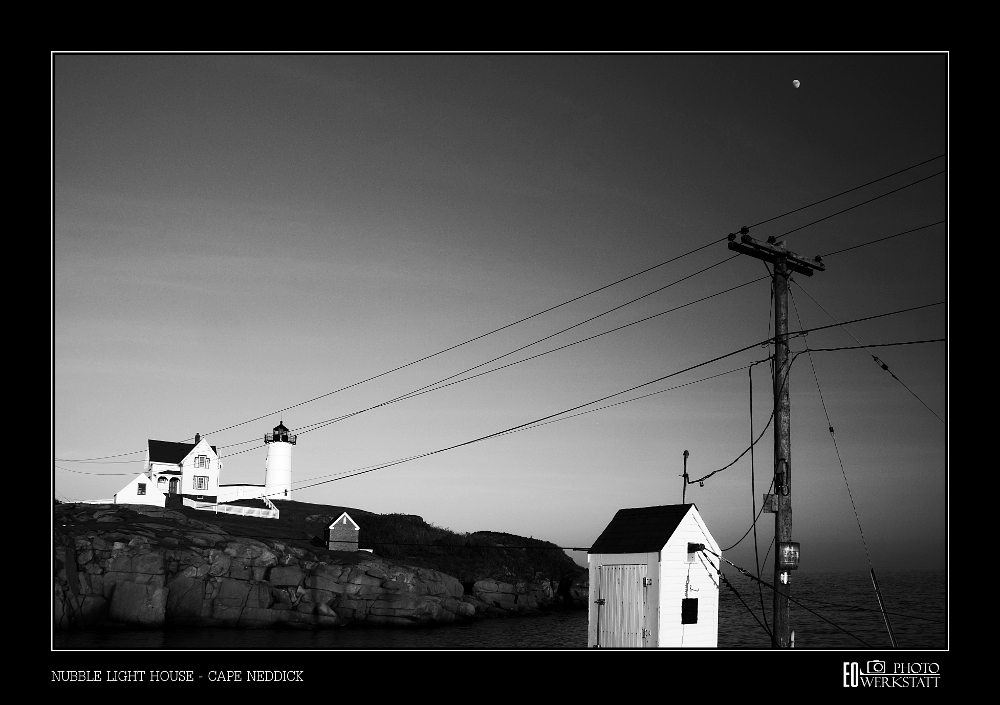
<point>197,438</point>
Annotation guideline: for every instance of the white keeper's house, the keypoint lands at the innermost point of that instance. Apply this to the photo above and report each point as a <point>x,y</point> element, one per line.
<point>188,474</point>
<point>190,470</point>
<point>141,491</point>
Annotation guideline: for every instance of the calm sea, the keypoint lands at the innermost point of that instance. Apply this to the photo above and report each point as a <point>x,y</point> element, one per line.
<point>839,610</point>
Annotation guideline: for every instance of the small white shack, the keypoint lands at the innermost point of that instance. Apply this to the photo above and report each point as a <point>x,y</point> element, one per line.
<point>342,534</point>
<point>652,584</point>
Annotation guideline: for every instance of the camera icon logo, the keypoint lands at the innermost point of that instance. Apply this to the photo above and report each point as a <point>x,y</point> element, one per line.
<point>875,667</point>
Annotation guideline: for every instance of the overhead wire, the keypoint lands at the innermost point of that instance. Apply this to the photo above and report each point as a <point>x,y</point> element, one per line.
<point>882,239</point>
<point>442,383</point>
<point>753,614</point>
<point>438,385</point>
<point>581,406</point>
<point>750,575</point>
<point>858,205</point>
<point>738,457</point>
<point>878,362</point>
<point>842,193</point>
<point>550,417</point>
<point>568,417</point>
<point>478,337</point>
<point>552,308</point>
<point>318,425</point>
<point>751,527</point>
<point>836,447</point>
<point>596,401</point>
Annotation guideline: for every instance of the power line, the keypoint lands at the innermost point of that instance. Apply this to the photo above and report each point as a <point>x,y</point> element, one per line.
<point>881,178</point>
<point>596,401</point>
<point>80,472</point>
<point>550,418</point>
<point>544,418</point>
<point>552,308</point>
<point>855,608</point>
<point>546,423</point>
<point>874,357</point>
<point>750,575</point>
<point>888,237</point>
<point>747,532</point>
<point>433,388</point>
<point>836,447</point>
<point>753,614</point>
<point>795,333</point>
<point>749,448</point>
<point>627,401</point>
<point>858,205</point>
<point>874,345</point>
<point>496,330</point>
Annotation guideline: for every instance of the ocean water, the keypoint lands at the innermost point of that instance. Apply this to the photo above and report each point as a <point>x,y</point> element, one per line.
<point>839,610</point>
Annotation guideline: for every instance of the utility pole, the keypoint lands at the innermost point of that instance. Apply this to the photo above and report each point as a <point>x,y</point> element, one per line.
<point>786,556</point>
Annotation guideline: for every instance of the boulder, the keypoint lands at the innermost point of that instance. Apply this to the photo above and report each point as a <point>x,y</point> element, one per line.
<point>286,575</point>
<point>185,598</point>
<point>130,575</point>
<point>136,604</point>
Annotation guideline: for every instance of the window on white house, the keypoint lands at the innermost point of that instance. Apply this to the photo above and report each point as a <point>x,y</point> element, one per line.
<point>693,549</point>
<point>200,482</point>
<point>141,488</point>
<point>201,461</point>
<point>161,482</point>
<point>689,610</point>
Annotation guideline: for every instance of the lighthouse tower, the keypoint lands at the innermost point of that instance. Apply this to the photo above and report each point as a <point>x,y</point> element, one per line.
<point>278,466</point>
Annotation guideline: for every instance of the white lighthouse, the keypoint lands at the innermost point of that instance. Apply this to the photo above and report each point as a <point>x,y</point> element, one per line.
<point>278,466</point>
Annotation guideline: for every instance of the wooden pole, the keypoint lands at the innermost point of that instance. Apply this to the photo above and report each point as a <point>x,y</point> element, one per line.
<point>785,263</point>
<point>782,456</point>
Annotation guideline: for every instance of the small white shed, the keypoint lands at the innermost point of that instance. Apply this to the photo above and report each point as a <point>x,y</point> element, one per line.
<point>141,490</point>
<point>652,584</point>
<point>342,534</point>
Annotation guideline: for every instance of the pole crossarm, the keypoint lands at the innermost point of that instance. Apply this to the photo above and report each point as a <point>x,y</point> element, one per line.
<point>772,251</point>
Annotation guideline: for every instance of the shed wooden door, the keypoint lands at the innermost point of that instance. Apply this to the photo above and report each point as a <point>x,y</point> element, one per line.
<point>621,606</point>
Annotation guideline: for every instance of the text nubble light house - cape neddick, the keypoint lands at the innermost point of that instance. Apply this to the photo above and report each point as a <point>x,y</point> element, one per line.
<point>652,583</point>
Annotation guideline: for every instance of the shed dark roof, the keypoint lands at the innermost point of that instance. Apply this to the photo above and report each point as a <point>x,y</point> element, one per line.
<point>641,530</point>
<point>170,452</point>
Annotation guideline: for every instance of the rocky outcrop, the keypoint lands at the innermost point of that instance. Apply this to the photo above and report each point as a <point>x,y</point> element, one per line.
<point>178,570</point>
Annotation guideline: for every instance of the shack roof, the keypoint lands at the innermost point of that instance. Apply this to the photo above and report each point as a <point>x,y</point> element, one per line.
<point>640,530</point>
<point>170,452</point>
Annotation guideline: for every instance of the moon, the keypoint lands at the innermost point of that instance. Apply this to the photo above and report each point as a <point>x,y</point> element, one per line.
<point>796,83</point>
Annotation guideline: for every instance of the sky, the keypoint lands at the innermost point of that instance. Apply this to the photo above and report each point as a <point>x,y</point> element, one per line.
<point>264,237</point>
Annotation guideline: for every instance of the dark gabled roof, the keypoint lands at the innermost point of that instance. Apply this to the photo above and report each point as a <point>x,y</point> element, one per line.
<point>170,452</point>
<point>641,530</point>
